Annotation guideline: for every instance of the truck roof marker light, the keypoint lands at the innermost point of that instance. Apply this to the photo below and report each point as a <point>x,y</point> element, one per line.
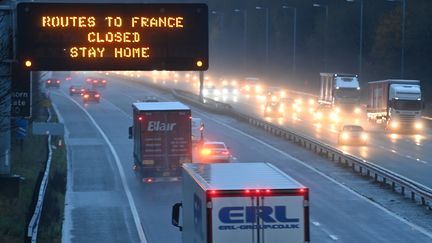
<point>247,191</point>
<point>257,191</point>
<point>140,118</point>
<point>302,190</point>
<point>213,192</point>
<point>267,190</point>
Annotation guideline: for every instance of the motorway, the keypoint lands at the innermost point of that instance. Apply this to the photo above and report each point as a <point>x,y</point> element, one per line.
<point>407,155</point>
<point>106,203</point>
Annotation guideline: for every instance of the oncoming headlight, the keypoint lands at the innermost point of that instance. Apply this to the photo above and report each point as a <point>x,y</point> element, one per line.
<point>345,136</point>
<point>418,125</point>
<point>394,124</point>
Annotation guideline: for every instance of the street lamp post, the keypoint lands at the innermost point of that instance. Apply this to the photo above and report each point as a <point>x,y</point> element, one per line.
<point>361,36</point>
<point>403,3</point>
<point>244,37</point>
<point>294,36</point>
<point>326,32</point>
<point>221,14</point>
<point>266,34</point>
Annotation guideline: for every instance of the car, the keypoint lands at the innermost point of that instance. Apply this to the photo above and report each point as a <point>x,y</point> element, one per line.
<point>352,135</point>
<point>251,86</point>
<point>326,113</point>
<point>76,89</point>
<point>214,152</point>
<point>91,95</point>
<point>212,92</point>
<point>274,109</point>
<point>99,82</point>
<point>150,99</point>
<point>52,82</point>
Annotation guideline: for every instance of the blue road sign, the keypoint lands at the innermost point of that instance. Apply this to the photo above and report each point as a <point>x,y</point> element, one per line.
<point>21,130</point>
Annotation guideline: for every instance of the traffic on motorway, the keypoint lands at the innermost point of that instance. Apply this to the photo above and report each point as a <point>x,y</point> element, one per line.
<point>125,94</point>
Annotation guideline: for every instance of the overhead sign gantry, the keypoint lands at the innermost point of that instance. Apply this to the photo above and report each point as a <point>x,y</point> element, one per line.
<point>112,36</point>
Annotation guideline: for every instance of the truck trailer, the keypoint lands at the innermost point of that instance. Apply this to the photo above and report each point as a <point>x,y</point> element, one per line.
<point>161,134</point>
<point>241,202</point>
<point>396,103</point>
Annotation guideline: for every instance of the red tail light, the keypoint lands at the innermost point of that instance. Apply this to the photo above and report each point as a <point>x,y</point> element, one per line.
<point>73,90</point>
<point>88,79</point>
<point>86,96</point>
<point>49,81</point>
<point>104,81</point>
<point>257,191</point>
<point>148,180</point>
<point>225,152</point>
<point>95,81</point>
<point>58,81</point>
<point>97,95</point>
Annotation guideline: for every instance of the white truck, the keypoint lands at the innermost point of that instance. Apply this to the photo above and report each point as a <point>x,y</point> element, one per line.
<point>396,103</point>
<point>241,202</point>
<point>342,93</point>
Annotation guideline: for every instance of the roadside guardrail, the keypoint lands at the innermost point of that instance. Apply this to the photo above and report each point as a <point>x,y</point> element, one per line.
<point>32,229</point>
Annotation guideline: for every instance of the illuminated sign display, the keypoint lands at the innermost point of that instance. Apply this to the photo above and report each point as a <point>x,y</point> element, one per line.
<point>111,36</point>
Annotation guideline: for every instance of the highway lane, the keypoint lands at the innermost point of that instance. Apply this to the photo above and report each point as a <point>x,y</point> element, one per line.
<point>332,204</point>
<point>407,155</point>
<point>96,206</point>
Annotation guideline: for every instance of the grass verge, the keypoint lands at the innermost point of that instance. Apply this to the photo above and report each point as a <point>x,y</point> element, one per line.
<point>28,160</point>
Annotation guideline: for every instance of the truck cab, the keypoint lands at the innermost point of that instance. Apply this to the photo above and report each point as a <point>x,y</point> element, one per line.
<point>342,92</point>
<point>405,105</point>
<point>397,104</point>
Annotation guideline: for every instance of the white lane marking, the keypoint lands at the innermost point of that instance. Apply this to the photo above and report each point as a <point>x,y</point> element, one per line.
<point>118,108</point>
<point>400,154</point>
<point>121,172</point>
<point>318,225</point>
<point>333,237</point>
<point>416,227</point>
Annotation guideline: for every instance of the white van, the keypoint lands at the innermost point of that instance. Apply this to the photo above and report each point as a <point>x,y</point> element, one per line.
<point>196,129</point>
